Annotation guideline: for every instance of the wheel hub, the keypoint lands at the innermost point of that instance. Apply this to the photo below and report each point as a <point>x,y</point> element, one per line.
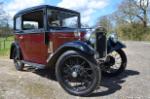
<point>74,74</point>
<point>75,71</point>
<point>110,61</point>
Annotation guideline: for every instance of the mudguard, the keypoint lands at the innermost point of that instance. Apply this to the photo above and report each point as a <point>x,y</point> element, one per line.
<point>112,46</point>
<point>13,45</point>
<point>76,45</point>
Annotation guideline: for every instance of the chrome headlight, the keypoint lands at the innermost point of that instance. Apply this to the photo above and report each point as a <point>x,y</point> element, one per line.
<point>114,37</point>
<point>90,36</point>
<point>87,35</point>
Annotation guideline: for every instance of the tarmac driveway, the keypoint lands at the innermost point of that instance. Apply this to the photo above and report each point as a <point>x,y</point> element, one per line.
<point>134,83</point>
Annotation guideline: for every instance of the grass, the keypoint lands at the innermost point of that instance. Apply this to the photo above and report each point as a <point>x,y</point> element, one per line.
<point>5,44</point>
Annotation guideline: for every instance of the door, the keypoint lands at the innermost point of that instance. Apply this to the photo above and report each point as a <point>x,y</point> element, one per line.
<point>22,39</point>
<point>35,49</point>
<point>38,48</point>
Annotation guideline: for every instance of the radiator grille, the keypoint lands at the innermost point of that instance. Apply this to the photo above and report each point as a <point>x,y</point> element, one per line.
<point>101,42</point>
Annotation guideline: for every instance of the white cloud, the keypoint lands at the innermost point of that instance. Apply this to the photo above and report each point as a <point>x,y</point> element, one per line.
<point>16,5</point>
<point>86,7</point>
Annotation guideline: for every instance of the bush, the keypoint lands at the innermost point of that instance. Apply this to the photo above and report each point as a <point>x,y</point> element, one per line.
<point>134,32</point>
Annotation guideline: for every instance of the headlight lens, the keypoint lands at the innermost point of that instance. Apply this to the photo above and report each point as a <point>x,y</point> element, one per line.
<point>87,35</point>
<point>90,36</point>
<point>114,37</point>
<point>93,40</point>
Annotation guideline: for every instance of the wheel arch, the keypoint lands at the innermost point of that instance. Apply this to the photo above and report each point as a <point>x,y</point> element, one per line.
<point>114,46</point>
<point>75,46</point>
<point>13,46</point>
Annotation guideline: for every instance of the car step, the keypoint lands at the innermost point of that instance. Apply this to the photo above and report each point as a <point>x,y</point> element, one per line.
<point>35,65</point>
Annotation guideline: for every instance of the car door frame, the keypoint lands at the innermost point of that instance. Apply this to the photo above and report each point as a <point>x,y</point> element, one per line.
<point>28,32</point>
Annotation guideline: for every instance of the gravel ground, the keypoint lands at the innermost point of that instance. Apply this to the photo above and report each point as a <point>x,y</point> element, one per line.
<point>134,83</point>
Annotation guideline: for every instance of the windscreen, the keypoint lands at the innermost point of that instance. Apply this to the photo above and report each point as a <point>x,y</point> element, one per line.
<point>62,19</point>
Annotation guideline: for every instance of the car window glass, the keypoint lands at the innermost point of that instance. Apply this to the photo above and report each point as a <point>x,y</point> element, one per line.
<point>33,20</point>
<point>30,25</point>
<point>64,19</point>
<point>53,18</point>
<point>18,23</point>
<point>70,22</point>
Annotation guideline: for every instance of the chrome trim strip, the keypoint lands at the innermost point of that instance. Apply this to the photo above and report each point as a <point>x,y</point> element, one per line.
<point>51,55</point>
<point>67,30</point>
<point>50,47</point>
<point>30,31</point>
<point>43,31</point>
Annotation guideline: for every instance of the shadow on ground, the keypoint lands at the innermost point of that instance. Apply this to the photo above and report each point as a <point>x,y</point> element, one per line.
<point>107,86</point>
<point>47,73</point>
<point>111,85</point>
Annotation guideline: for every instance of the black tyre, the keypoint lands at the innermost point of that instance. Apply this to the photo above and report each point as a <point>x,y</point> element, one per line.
<point>17,60</point>
<point>77,74</point>
<point>115,64</point>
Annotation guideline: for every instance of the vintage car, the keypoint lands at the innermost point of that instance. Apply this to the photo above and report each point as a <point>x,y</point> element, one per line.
<point>48,37</point>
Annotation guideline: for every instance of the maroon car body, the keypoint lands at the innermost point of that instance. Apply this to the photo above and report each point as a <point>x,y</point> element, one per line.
<point>32,41</point>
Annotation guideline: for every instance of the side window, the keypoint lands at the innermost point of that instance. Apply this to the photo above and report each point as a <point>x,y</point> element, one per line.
<point>33,21</point>
<point>30,25</point>
<point>18,23</point>
<point>53,18</point>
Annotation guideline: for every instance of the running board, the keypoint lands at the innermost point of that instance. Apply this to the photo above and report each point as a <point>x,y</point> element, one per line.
<point>35,65</point>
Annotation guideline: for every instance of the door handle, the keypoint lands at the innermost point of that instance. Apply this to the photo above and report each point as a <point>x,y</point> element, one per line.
<point>21,37</point>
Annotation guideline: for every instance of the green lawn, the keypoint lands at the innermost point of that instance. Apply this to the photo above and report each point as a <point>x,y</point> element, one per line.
<point>5,44</point>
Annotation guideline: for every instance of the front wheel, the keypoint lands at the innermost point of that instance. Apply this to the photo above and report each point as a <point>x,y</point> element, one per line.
<point>115,63</point>
<point>77,74</point>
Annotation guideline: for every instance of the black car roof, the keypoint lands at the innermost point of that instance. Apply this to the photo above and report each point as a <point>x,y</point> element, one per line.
<point>41,7</point>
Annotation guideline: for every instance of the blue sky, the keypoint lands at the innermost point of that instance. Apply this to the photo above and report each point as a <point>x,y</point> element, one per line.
<point>90,10</point>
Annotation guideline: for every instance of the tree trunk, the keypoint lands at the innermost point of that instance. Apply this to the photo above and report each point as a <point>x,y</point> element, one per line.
<point>145,18</point>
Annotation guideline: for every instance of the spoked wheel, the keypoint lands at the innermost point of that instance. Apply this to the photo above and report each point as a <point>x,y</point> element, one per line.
<point>76,74</point>
<point>16,57</point>
<point>115,63</point>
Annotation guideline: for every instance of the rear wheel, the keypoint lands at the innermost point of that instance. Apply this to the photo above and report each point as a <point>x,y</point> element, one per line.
<point>17,60</point>
<point>77,74</point>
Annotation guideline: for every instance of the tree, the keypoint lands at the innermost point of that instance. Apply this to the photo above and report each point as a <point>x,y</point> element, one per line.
<point>134,10</point>
<point>143,5</point>
<point>4,18</point>
<point>106,22</point>
<point>131,20</point>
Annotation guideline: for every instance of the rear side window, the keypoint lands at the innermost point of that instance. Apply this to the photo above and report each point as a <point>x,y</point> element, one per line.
<point>33,21</point>
<point>27,25</point>
<point>18,23</point>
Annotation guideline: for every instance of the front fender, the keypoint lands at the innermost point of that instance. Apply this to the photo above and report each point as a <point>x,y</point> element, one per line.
<point>111,46</point>
<point>76,45</point>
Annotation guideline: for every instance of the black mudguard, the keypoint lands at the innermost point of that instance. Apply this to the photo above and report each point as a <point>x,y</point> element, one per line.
<point>76,46</point>
<point>13,46</point>
<point>111,46</point>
